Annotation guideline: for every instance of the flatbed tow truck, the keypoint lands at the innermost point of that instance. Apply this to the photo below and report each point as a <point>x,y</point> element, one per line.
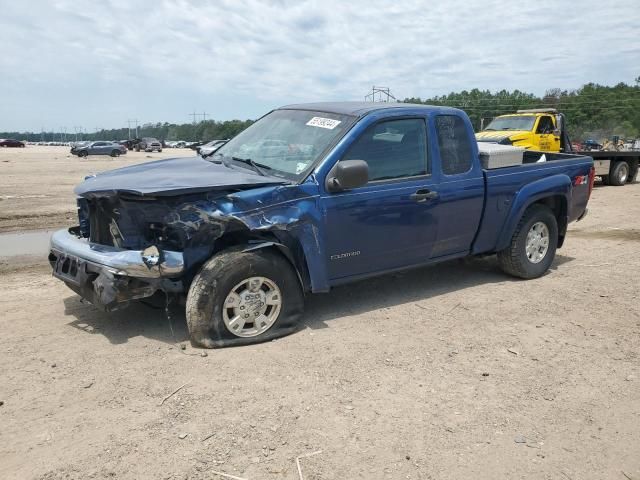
<point>544,130</point>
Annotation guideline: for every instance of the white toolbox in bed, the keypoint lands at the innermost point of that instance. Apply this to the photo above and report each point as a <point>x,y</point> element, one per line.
<point>493,155</point>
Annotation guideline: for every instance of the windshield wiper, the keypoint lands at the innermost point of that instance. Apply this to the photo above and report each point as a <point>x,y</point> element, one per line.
<point>489,129</point>
<point>258,167</point>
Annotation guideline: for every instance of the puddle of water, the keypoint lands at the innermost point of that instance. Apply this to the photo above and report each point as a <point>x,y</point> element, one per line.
<point>25,243</point>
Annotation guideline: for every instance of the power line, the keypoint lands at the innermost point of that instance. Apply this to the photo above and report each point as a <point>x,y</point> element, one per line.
<point>526,96</point>
<point>476,104</point>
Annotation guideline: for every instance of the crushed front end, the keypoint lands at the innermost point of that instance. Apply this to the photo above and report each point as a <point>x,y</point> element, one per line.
<point>94,260</point>
<point>127,248</point>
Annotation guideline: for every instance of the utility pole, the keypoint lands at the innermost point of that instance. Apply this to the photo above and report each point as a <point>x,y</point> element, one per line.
<point>204,116</point>
<point>129,122</point>
<point>380,94</point>
<point>78,130</point>
<point>193,115</point>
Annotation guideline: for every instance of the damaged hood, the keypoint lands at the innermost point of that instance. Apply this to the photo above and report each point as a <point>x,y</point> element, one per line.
<point>172,177</point>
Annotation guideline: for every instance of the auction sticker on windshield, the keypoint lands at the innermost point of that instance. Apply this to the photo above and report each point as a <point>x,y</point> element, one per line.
<point>321,122</point>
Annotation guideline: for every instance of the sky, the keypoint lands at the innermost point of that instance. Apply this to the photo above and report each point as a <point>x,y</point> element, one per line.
<point>89,64</point>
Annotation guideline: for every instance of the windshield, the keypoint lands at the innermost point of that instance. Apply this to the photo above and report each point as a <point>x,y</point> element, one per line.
<point>285,143</point>
<point>512,123</point>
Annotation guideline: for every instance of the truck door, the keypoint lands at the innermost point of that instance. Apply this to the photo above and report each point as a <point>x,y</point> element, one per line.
<point>391,221</point>
<point>544,137</point>
<point>461,187</point>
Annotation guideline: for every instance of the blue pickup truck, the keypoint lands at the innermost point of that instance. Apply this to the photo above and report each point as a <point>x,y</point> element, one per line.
<point>309,197</point>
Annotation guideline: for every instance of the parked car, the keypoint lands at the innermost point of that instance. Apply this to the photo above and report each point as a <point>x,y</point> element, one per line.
<point>195,145</point>
<point>365,189</point>
<point>148,144</point>
<point>589,145</point>
<point>209,148</point>
<point>9,142</point>
<point>83,149</point>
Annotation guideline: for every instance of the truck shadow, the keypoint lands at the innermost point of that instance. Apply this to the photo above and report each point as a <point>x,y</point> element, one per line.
<point>151,321</point>
<point>411,286</point>
<point>148,320</point>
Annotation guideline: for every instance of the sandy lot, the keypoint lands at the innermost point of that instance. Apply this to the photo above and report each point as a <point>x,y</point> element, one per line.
<point>449,372</point>
<point>36,183</point>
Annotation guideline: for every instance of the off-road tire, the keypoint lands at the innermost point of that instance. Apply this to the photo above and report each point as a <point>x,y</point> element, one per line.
<point>115,153</point>
<point>513,259</point>
<point>619,174</point>
<point>217,278</point>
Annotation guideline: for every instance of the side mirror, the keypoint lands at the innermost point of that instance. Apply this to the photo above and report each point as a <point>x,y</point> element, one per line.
<point>347,175</point>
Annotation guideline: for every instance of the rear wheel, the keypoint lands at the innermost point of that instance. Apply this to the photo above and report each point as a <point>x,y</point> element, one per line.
<point>240,298</point>
<point>619,173</point>
<point>533,245</point>
<point>115,153</point>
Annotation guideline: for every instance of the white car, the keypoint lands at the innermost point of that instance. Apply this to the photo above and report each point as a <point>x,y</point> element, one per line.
<point>208,148</point>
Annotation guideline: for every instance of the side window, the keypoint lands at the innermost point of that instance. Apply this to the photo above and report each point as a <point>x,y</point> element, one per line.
<point>545,125</point>
<point>454,144</point>
<point>393,149</point>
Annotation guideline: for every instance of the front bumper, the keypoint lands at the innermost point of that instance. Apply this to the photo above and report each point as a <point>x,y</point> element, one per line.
<point>110,277</point>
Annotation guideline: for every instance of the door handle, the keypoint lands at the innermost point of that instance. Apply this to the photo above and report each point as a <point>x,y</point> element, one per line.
<point>423,195</point>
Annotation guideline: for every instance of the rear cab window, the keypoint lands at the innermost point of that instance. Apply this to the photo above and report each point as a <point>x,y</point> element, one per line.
<point>454,144</point>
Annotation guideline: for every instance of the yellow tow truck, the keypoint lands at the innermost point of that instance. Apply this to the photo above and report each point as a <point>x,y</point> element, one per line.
<point>536,129</point>
<point>544,130</point>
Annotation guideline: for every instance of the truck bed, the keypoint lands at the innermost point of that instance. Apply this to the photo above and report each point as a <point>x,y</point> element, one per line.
<point>504,184</point>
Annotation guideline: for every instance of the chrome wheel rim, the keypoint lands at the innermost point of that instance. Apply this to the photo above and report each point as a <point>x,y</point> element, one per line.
<point>537,242</point>
<point>624,172</point>
<point>252,307</point>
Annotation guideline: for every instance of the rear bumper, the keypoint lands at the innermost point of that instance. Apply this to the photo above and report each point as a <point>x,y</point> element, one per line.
<point>108,276</point>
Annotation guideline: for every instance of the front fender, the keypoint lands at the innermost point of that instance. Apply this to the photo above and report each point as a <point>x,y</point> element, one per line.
<point>556,185</point>
<point>298,264</point>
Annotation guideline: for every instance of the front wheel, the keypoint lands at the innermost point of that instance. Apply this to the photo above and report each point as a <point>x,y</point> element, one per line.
<point>83,153</point>
<point>533,245</point>
<point>239,298</point>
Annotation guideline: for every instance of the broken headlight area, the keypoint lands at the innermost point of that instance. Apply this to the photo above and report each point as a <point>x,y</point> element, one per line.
<point>135,223</point>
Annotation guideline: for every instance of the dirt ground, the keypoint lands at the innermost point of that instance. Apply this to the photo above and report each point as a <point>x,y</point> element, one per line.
<point>450,372</point>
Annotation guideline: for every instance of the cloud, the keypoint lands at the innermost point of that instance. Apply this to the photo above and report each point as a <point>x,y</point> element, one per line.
<point>99,63</point>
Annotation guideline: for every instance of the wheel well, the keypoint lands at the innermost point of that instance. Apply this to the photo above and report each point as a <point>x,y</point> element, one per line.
<point>288,248</point>
<point>558,205</point>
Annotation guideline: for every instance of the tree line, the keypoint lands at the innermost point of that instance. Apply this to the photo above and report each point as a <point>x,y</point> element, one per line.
<point>205,130</point>
<point>592,111</point>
